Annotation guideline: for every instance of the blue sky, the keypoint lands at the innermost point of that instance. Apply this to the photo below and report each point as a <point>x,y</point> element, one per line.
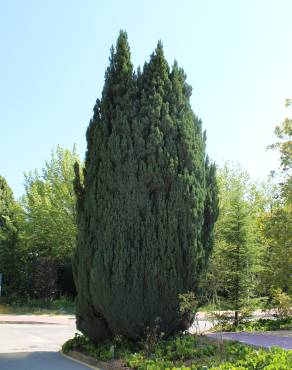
<point>237,55</point>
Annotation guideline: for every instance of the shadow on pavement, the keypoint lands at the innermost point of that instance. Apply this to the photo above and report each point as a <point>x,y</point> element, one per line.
<point>38,361</point>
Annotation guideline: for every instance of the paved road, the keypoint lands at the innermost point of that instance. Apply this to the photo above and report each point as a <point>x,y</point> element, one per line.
<point>266,340</point>
<point>33,337</point>
<point>38,361</point>
<point>35,345</point>
<point>38,319</point>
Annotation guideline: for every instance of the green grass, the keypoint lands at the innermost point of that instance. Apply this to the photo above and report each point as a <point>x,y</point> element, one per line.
<point>59,306</point>
<point>183,351</point>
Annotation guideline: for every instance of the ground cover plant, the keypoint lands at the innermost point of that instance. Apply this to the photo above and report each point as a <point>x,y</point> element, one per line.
<point>183,351</point>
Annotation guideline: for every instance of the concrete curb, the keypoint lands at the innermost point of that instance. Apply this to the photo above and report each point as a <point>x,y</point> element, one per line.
<point>2,322</point>
<point>80,359</point>
<point>93,363</point>
<point>39,319</point>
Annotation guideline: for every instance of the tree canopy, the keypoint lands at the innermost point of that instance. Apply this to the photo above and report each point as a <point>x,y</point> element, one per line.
<point>49,205</point>
<point>11,256</point>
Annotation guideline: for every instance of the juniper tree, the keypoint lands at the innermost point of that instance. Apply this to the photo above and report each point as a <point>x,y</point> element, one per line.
<point>148,204</point>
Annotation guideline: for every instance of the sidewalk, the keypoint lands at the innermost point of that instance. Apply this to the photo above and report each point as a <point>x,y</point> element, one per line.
<point>38,319</point>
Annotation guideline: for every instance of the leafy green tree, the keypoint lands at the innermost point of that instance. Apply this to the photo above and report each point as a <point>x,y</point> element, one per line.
<point>49,226</point>
<point>276,234</point>
<point>283,132</point>
<point>49,204</point>
<point>11,258</point>
<point>276,224</point>
<point>148,204</point>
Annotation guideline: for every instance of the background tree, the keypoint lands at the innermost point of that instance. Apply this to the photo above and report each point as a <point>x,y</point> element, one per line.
<point>238,252</point>
<point>283,133</point>
<point>11,256</point>
<point>50,223</point>
<point>49,204</point>
<point>276,234</point>
<point>148,205</point>
<point>276,225</point>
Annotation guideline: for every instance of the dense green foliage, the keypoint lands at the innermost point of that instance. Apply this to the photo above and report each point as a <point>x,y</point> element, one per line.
<point>184,352</point>
<point>49,227</point>
<point>236,253</point>
<point>276,225</point>
<point>49,205</point>
<point>38,234</point>
<point>259,218</point>
<point>149,201</point>
<point>11,258</point>
<point>236,259</point>
<point>276,235</point>
<point>283,133</point>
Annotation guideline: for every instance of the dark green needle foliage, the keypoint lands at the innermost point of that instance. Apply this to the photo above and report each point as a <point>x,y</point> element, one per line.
<point>148,204</point>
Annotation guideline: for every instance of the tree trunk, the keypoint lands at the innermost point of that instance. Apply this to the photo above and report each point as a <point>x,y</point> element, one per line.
<point>236,317</point>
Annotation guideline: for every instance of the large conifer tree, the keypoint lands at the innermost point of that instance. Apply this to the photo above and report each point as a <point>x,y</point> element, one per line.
<point>148,204</point>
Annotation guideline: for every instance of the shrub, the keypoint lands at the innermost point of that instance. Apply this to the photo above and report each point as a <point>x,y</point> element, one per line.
<point>282,302</point>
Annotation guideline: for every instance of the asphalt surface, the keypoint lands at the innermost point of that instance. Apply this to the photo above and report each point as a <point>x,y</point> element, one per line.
<point>34,337</point>
<point>38,361</point>
<point>34,345</point>
<point>265,340</point>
